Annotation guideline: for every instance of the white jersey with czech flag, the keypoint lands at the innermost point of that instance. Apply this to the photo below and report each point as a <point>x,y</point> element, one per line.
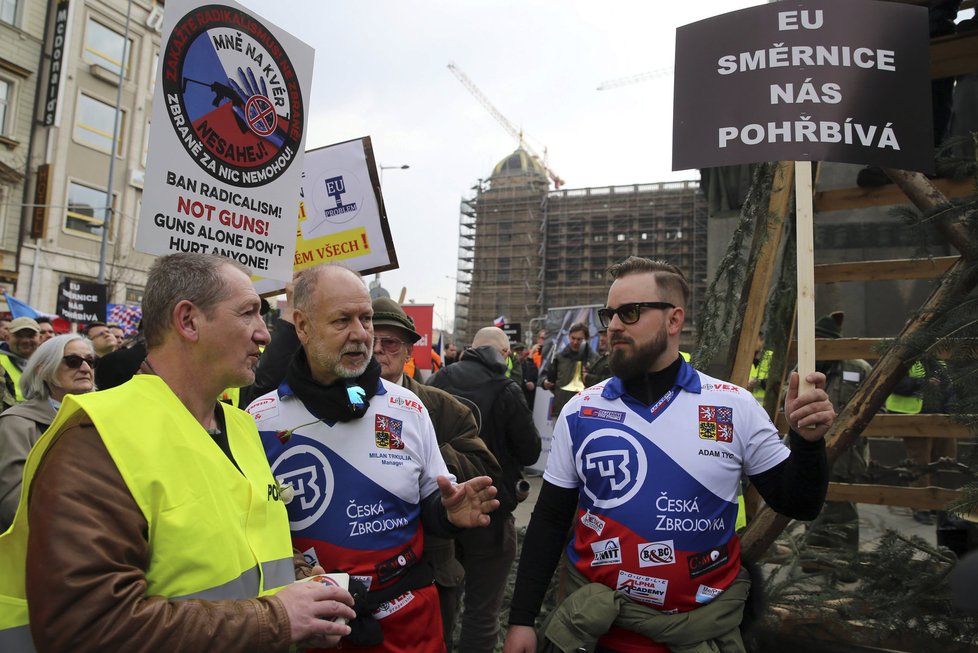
<point>658,485</point>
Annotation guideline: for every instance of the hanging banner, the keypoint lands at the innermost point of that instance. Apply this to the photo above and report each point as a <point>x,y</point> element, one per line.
<point>813,80</point>
<point>226,150</point>
<point>341,215</point>
<point>81,301</point>
<point>423,316</point>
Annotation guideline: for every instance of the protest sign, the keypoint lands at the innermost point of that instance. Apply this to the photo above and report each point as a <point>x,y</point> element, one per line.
<point>341,216</point>
<point>226,150</point>
<point>825,80</point>
<point>81,301</point>
<point>813,80</point>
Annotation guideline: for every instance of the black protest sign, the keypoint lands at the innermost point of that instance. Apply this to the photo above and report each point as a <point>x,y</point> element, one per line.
<point>513,331</point>
<point>813,80</point>
<point>81,301</point>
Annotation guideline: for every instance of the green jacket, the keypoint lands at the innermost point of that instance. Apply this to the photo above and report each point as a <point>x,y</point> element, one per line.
<point>592,608</point>
<point>842,379</point>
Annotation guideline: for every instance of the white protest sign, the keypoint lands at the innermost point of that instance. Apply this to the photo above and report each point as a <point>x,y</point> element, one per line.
<point>341,215</point>
<point>226,150</point>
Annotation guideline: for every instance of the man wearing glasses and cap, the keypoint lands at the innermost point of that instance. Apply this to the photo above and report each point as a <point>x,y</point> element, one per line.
<point>646,469</point>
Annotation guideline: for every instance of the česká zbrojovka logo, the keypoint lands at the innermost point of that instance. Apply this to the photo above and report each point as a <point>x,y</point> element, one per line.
<point>232,96</point>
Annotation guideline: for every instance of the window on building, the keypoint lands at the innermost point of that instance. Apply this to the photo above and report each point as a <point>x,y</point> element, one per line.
<point>105,47</point>
<point>8,11</point>
<point>6,98</point>
<point>620,238</point>
<point>93,124</point>
<point>86,210</point>
<point>134,295</point>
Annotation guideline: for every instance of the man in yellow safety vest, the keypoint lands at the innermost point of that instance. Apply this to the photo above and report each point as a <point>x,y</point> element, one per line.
<point>171,534</point>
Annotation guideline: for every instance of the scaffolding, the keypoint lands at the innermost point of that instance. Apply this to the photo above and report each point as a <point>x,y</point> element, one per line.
<point>589,229</point>
<point>524,248</point>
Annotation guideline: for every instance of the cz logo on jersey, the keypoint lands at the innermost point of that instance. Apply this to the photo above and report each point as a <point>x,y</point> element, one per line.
<point>716,423</point>
<point>387,432</point>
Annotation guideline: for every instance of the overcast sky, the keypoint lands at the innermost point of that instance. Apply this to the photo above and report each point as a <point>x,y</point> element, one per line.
<point>381,71</point>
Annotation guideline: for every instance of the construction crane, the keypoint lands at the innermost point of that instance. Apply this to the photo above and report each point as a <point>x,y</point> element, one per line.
<point>635,79</point>
<point>502,120</point>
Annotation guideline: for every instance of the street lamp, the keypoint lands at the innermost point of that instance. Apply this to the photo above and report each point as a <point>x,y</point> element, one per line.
<point>383,167</point>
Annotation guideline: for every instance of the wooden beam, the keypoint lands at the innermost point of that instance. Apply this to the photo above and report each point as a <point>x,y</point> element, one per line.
<point>873,391</point>
<point>954,54</point>
<point>764,253</point>
<point>928,425</point>
<point>918,498</point>
<point>891,425</point>
<point>847,199</point>
<point>840,349</point>
<point>906,268</point>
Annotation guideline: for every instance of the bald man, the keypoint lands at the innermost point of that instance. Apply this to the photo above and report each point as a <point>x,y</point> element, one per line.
<point>508,430</point>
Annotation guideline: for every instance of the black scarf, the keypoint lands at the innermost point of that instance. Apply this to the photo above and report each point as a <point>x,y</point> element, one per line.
<point>343,400</point>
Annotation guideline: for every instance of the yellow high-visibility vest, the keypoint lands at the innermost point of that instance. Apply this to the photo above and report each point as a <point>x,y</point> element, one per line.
<point>193,499</point>
<point>13,373</point>
<point>908,404</point>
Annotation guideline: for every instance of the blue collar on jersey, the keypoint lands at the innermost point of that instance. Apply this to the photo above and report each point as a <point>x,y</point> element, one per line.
<point>687,379</point>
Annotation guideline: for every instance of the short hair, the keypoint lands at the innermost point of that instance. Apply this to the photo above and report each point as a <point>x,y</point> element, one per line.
<point>579,327</point>
<point>43,319</point>
<point>191,276</point>
<point>309,280</point>
<point>43,365</point>
<point>92,325</point>
<point>667,276</point>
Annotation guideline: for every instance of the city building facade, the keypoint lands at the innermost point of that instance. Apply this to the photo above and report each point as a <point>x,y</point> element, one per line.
<point>524,249</point>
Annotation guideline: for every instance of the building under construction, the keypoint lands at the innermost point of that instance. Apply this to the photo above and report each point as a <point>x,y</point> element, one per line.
<point>524,248</point>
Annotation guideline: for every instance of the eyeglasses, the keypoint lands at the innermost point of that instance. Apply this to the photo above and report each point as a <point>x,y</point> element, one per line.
<point>628,313</point>
<point>390,346</point>
<point>74,361</point>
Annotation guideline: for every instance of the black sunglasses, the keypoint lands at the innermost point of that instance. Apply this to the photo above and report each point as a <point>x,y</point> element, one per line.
<point>74,361</point>
<point>628,313</point>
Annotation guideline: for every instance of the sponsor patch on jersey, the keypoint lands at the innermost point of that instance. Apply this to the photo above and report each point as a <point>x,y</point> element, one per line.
<point>705,593</point>
<point>656,554</point>
<point>388,608</point>
<point>716,423</point>
<point>642,588</point>
<point>593,522</point>
<point>606,552</point>
<point>263,408</point>
<point>395,565</point>
<point>721,387</point>
<point>707,561</point>
<point>387,432</point>
<point>601,413</point>
<point>403,403</point>
<point>309,555</point>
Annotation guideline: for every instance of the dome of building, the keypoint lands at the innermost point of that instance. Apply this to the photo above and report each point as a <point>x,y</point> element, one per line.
<point>519,167</point>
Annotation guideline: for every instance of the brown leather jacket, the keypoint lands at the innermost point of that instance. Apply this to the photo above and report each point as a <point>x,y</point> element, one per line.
<point>87,555</point>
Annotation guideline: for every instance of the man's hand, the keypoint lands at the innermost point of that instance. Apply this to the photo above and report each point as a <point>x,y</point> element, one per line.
<point>311,608</point>
<point>811,414</point>
<point>468,504</point>
<point>520,639</point>
<point>547,385</point>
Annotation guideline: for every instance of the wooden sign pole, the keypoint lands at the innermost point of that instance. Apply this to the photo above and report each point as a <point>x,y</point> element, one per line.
<point>806,273</point>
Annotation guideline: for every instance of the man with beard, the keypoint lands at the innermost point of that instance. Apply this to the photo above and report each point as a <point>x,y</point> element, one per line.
<point>360,467</point>
<point>646,467</point>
